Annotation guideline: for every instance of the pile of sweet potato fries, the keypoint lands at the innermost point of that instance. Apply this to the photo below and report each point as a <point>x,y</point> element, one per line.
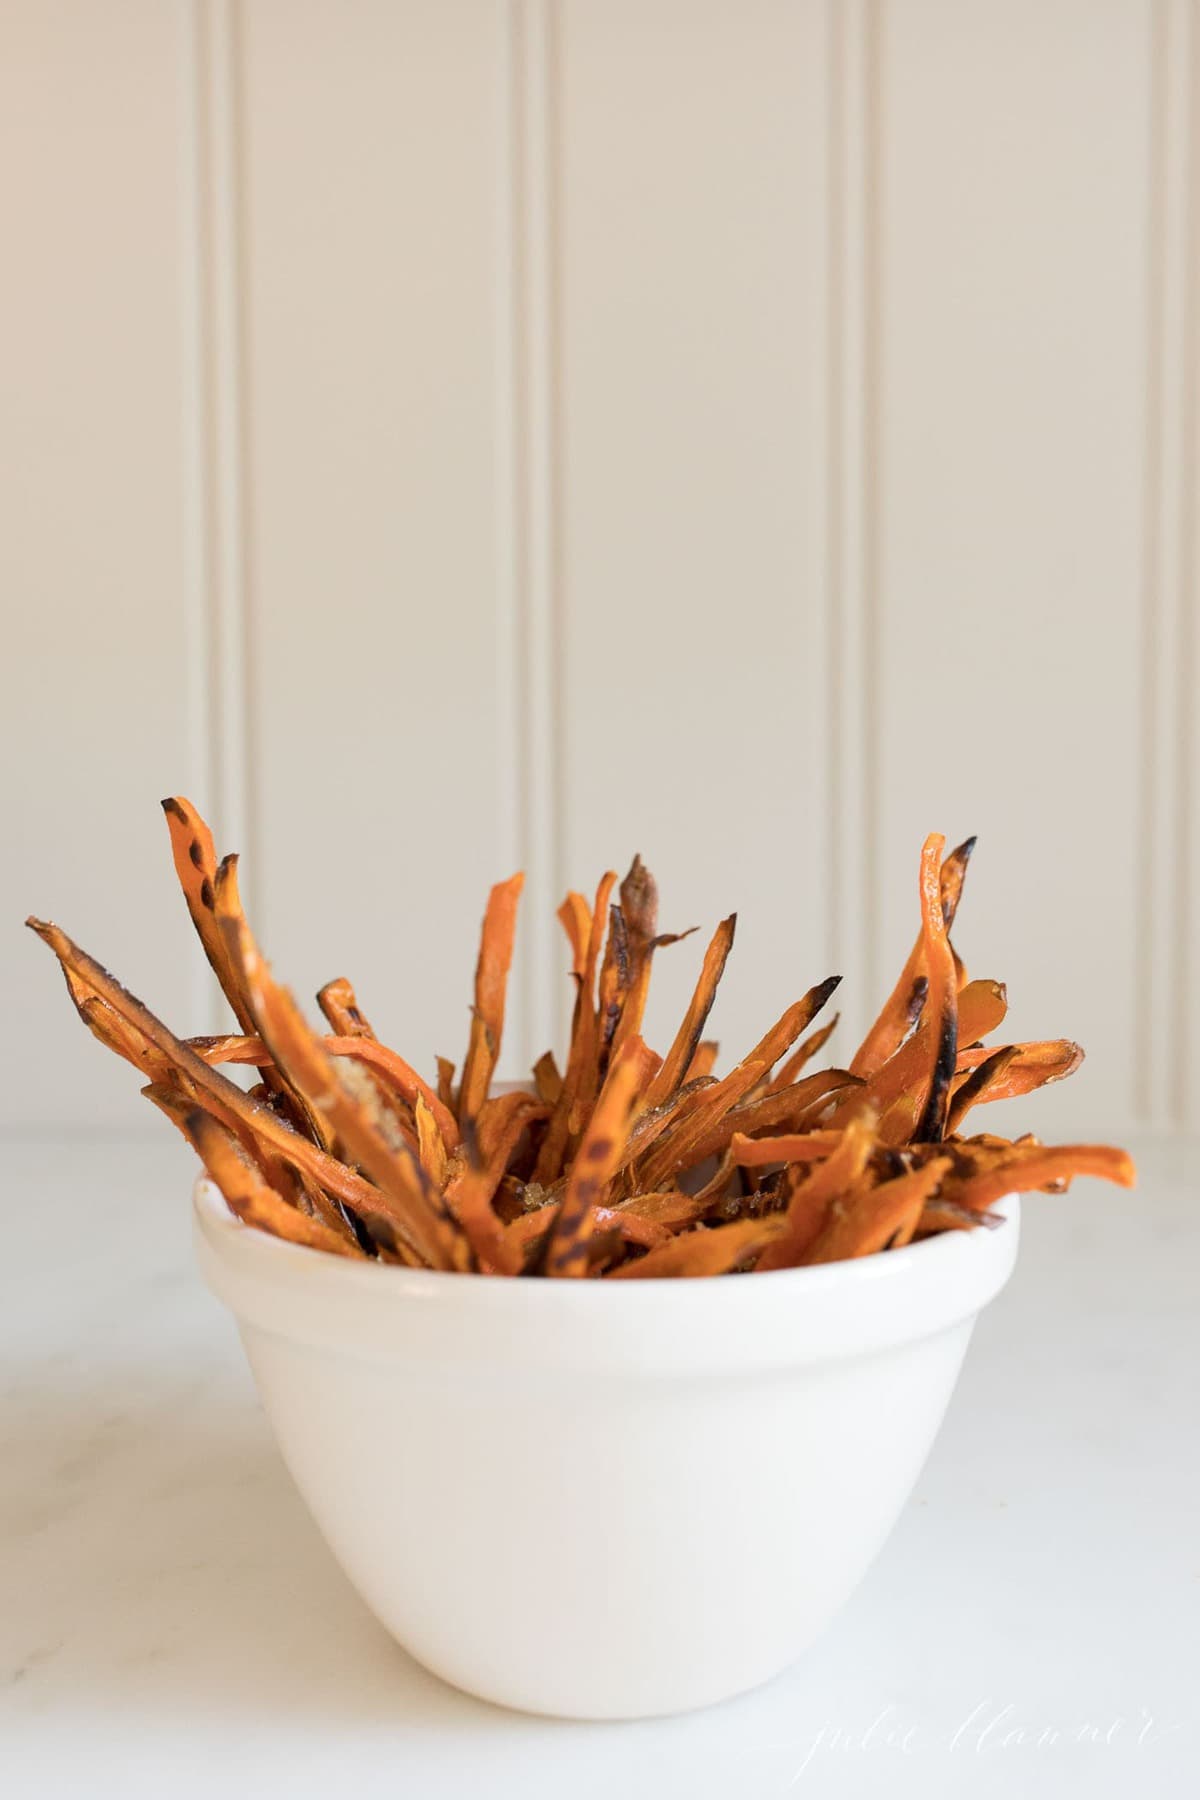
<point>620,1163</point>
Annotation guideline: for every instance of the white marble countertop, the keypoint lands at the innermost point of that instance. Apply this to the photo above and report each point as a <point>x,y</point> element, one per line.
<point>170,1622</point>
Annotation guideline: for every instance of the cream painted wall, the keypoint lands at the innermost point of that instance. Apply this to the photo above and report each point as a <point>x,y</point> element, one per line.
<point>446,436</point>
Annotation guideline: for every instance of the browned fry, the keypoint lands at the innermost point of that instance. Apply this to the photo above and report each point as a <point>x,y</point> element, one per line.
<point>575,916</point>
<point>803,1054</point>
<point>704,1061</point>
<point>903,1005</point>
<point>798,1017</point>
<point>223,1097</point>
<point>696,1124</point>
<point>943,1215</point>
<point>790,1109</point>
<point>445,1082</point>
<point>290,1183</point>
<point>1027,1168</point>
<point>547,1079</point>
<point>338,1001</point>
<point>195,859</point>
<point>431,1145</point>
<point>811,1194</point>
<point>594,1164</point>
<point>981,1008</point>
<point>247,1194</point>
<point>639,909</point>
<point>705,1250</point>
<point>614,986</point>
<point>227,905</point>
<point>670,1208</point>
<point>491,984</point>
<point>942,1002</point>
<point>974,1086</point>
<point>531,1231</point>
<point>398,1077</point>
<point>111,1030</point>
<point>866,1222</point>
<point>760,1153</point>
<point>582,1059</point>
<point>354,1116</point>
<point>1033,1066</point>
<point>502,1119</point>
<point>678,1057</point>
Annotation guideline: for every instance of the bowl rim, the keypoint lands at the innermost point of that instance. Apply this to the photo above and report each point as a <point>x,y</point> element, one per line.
<point>219,1225</point>
<point>771,1318</point>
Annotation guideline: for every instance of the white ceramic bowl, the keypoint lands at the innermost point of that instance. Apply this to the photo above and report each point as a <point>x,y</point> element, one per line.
<point>604,1499</point>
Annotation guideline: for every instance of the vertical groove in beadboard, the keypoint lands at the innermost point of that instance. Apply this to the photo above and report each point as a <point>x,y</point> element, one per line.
<point>220,461</point>
<point>1146,1073</point>
<point>536,459</point>
<point>197,684</point>
<point>1185,994</point>
<point>852,400</point>
<point>507,637</point>
<point>1164,1047</point>
<point>872,475</point>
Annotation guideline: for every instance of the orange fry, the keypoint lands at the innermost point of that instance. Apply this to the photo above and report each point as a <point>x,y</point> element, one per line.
<point>804,1054</point>
<point>1025,1170</point>
<point>942,1002</point>
<point>682,1050</point>
<point>246,1193</point>
<point>866,1223</point>
<point>354,1116</point>
<point>706,1250</point>
<point>491,983</point>
<point>594,1163</point>
<point>704,1061</point>
<point>811,1196</point>
<point>760,1153</point>
<point>898,1015</point>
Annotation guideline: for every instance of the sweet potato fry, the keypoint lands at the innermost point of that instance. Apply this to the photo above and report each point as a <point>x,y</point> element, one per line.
<point>398,1077</point>
<point>981,1008</point>
<point>811,1194</point>
<point>973,1087</point>
<point>575,917</point>
<point>491,984</point>
<point>682,1050</point>
<point>355,1117</point>
<point>1035,1167</point>
<point>704,1061</point>
<point>195,859</point>
<point>803,1055</point>
<point>547,1079</point>
<point>445,1082</point>
<point>594,1164</point>
<point>220,1095</point>
<point>249,1197</point>
<point>788,1110</point>
<point>761,1153</point>
<point>706,1250</point>
<point>942,1003</point>
<point>866,1222</point>
<point>1033,1066</point>
<point>676,1148</point>
<point>583,1057</point>
<point>431,1145</point>
<point>903,1005</point>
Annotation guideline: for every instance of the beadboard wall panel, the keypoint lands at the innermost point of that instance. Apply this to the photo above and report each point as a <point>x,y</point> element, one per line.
<point>449,437</point>
<point>1011,304</point>
<point>373,141</point>
<point>693,287</point>
<point>103,652</point>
